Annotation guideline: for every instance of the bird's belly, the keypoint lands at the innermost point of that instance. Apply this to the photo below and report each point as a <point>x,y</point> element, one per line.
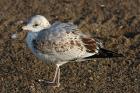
<point>61,56</point>
<point>47,58</point>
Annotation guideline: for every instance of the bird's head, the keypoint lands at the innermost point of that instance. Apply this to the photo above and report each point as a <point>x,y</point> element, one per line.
<point>33,24</point>
<point>36,24</point>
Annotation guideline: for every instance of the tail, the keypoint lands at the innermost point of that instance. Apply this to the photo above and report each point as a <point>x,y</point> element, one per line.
<point>103,53</point>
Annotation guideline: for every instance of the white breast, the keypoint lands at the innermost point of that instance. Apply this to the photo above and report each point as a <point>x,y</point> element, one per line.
<point>45,57</point>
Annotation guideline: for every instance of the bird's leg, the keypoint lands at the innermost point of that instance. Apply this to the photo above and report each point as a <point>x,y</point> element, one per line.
<point>56,78</point>
<point>56,74</point>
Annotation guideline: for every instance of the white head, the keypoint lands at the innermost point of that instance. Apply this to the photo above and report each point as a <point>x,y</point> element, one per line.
<point>37,23</point>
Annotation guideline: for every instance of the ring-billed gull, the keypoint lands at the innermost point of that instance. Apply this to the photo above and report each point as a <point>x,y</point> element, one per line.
<point>60,43</point>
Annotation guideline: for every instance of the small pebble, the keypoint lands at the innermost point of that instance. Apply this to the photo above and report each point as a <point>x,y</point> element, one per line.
<point>14,36</point>
<point>90,78</point>
<point>102,5</point>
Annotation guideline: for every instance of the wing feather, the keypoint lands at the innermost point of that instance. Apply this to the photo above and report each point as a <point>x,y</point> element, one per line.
<point>59,37</point>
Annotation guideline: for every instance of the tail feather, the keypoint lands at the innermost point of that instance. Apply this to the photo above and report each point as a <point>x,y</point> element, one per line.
<point>103,53</point>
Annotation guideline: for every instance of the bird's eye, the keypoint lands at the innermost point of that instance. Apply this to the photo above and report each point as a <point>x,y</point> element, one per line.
<point>35,25</point>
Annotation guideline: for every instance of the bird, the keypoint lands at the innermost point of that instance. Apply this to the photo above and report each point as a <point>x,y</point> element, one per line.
<point>60,43</point>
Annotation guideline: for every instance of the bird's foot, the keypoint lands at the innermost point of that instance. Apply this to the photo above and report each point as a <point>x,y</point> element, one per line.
<point>49,83</point>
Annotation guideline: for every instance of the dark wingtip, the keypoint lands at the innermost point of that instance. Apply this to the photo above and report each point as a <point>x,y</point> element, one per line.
<point>103,53</point>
